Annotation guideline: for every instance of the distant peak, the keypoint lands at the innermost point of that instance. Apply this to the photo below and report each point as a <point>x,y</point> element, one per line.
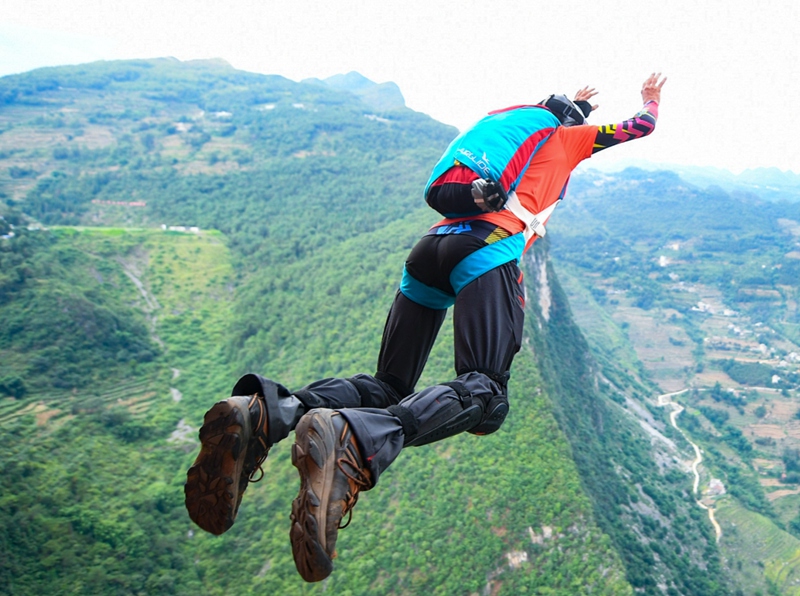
<point>378,96</point>
<point>210,62</point>
<point>352,81</point>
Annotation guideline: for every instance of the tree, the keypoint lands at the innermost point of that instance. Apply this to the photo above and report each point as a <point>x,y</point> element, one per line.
<point>13,387</point>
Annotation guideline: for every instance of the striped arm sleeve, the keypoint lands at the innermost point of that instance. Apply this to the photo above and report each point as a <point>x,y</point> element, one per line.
<point>641,125</point>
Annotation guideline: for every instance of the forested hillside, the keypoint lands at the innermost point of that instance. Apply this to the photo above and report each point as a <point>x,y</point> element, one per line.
<point>697,289</point>
<point>169,226</point>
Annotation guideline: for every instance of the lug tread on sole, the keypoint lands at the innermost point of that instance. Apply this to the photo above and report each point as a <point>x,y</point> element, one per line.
<point>210,490</point>
<point>309,450</point>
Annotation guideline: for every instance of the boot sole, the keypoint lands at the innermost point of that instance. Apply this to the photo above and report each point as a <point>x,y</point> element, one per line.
<point>212,483</point>
<point>313,452</point>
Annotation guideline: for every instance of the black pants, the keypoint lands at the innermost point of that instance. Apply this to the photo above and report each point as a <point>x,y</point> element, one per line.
<point>488,318</point>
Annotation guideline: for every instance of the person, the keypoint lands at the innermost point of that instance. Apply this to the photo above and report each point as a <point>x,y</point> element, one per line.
<point>349,430</point>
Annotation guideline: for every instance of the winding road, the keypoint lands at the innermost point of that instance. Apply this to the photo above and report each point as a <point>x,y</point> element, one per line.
<point>665,400</point>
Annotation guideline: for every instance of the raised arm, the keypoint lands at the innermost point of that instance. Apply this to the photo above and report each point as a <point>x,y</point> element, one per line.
<point>641,125</point>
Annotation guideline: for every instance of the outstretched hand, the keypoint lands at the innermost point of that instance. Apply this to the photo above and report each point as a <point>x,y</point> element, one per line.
<point>586,94</point>
<point>651,88</point>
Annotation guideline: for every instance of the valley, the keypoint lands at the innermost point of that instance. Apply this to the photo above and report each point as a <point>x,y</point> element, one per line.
<point>712,322</point>
<point>168,226</point>
<point>122,325</point>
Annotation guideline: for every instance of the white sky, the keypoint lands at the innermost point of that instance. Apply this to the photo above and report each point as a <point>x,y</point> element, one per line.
<point>732,99</point>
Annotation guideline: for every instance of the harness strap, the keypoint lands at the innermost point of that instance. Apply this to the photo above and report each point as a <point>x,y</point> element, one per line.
<point>363,392</point>
<point>534,222</point>
<point>463,392</point>
<point>407,420</point>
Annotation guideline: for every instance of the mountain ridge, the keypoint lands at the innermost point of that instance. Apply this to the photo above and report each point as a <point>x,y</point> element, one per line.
<point>571,495</point>
<point>290,174</point>
<point>381,96</point>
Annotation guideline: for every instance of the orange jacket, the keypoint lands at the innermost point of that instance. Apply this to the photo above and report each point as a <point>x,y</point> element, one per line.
<point>542,183</point>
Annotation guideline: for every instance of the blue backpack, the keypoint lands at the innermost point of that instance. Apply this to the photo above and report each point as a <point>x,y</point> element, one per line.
<point>499,147</point>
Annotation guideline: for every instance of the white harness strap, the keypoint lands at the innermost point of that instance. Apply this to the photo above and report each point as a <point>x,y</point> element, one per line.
<point>534,222</point>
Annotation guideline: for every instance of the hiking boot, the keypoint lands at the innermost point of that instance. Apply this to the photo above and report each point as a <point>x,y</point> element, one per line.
<point>233,446</point>
<point>331,476</point>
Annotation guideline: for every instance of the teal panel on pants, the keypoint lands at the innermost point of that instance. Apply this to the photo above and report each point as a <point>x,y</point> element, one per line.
<point>487,258</point>
<point>469,269</point>
<point>418,292</point>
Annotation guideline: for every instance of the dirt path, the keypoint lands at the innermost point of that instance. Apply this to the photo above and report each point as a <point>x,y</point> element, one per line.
<point>664,400</point>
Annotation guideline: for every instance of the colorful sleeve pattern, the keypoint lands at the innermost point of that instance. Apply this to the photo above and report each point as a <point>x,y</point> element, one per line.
<point>641,125</point>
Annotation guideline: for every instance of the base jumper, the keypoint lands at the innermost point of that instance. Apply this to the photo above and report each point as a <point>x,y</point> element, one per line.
<point>349,430</point>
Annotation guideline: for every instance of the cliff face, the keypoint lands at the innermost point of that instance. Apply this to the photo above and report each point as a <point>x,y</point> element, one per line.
<point>631,463</point>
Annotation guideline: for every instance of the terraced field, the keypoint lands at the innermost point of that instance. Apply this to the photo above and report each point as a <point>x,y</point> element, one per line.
<point>179,277</point>
<point>759,547</point>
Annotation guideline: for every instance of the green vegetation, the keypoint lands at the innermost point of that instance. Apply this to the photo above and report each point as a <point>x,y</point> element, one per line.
<point>703,285</point>
<point>748,373</point>
<point>13,387</point>
<point>66,313</point>
<point>91,484</point>
<point>731,242</point>
<point>121,333</point>
<point>90,480</point>
<point>100,446</point>
<point>648,513</point>
<point>766,557</point>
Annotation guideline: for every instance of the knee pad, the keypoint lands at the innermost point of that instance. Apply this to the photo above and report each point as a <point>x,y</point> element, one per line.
<point>496,402</point>
<point>496,412</point>
<point>434,414</point>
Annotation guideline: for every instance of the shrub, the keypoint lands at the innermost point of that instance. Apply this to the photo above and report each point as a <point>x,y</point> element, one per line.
<point>13,387</point>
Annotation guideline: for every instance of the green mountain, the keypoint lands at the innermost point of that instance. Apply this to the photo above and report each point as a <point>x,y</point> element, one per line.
<point>771,184</point>
<point>169,226</point>
<point>698,289</point>
<point>383,96</point>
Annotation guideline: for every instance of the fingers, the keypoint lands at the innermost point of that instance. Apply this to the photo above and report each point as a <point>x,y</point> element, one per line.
<point>651,88</point>
<point>652,81</point>
<point>482,205</point>
<point>585,93</point>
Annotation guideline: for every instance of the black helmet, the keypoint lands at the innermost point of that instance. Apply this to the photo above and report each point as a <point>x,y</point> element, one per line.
<point>568,112</point>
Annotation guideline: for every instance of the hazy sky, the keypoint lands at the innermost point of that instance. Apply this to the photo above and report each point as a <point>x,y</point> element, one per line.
<point>733,65</point>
